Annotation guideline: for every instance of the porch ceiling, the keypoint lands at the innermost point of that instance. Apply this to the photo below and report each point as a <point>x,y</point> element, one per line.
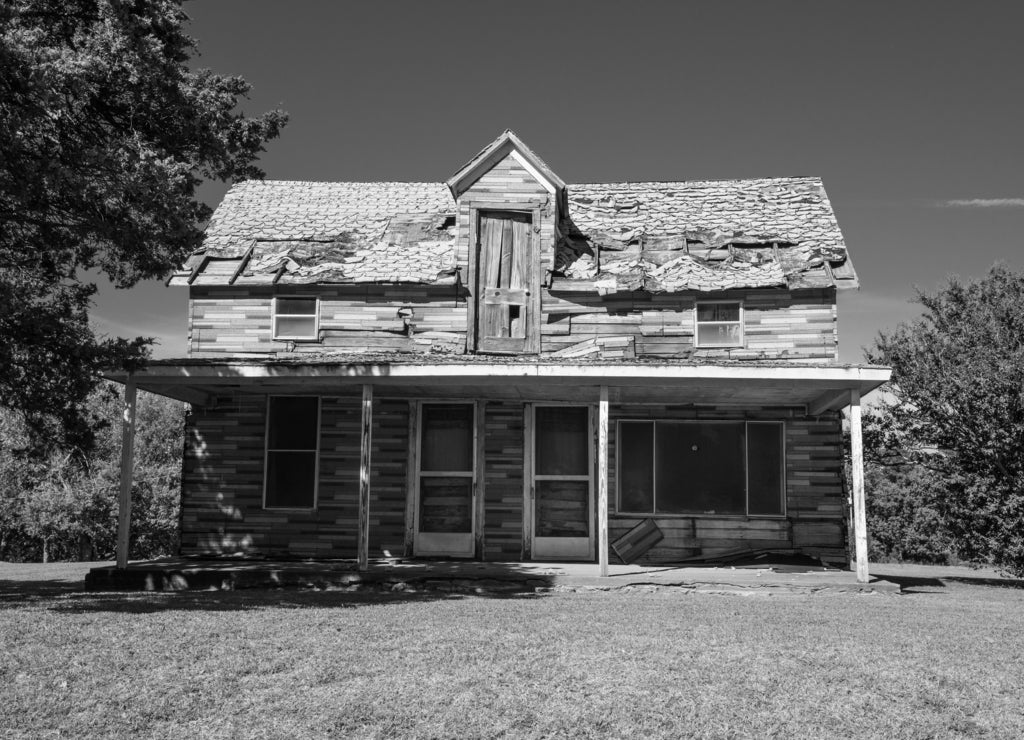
<point>816,387</point>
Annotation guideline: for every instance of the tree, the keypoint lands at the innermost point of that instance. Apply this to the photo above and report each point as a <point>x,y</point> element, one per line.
<point>105,134</point>
<point>958,385</point>
<point>64,505</point>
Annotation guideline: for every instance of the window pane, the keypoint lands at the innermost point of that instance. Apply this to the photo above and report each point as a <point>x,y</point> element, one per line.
<point>764,468</point>
<point>718,335</point>
<point>301,327</point>
<point>292,423</point>
<point>699,468</point>
<point>562,508</point>
<point>302,306</point>
<point>562,447</point>
<point>718,312</point>
<point>447,437</point>
<point>636,466</point>
<point>291,479</point>
<point>446,504</point>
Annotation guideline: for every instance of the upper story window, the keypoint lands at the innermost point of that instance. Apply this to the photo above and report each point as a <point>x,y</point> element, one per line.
<point>296,318</point>
<point>719,324</point>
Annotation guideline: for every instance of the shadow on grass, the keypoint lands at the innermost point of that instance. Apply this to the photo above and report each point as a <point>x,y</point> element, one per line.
<point>234,587</point>
<point>919,584</point>
<point>914,584</point>
<point>250,600</point>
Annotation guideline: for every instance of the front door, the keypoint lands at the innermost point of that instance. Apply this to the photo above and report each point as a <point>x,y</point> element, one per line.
<point>445,480</point>
<point>504,260</point>
<point>562,484</point>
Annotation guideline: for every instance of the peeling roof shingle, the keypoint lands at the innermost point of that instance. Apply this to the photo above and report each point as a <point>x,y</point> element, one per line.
<point>659,236</point>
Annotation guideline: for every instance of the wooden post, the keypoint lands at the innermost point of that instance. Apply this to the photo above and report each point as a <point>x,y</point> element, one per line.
<point>602,483</point>
<point>363,557</point>
<point>860,526</point>
<point>124,501</point>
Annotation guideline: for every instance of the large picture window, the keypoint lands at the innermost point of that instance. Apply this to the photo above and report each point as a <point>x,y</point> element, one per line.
<point>686,467</point>
<point>296,318</point>
<point>293,447</point>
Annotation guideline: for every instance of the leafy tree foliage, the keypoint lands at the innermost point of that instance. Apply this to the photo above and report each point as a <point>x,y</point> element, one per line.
<point>903,514</point>
<point>105,134</point>
<point>64,505</point>
<point>958,382</point>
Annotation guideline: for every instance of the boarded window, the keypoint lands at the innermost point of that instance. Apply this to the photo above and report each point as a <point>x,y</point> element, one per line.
<point>295,318</point>
<point>292,450</point>
<point>671,467</point>
<point>719,325</point>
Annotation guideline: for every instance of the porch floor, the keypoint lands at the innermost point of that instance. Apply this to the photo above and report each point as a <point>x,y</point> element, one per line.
<point>178,574</point>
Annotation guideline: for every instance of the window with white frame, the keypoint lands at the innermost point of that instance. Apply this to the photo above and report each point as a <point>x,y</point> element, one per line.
<point>705,467</point>
<point>719,324</point>
<point>296,318</point>
<point>292,452</point>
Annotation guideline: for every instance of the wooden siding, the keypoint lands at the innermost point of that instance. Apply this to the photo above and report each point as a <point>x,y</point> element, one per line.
<point>777,325</point>
<point>222,502</point>
<point>503,472</point>
<point>237,321</point>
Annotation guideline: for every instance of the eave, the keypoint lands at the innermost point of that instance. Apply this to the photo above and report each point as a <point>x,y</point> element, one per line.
<point>817,389</point>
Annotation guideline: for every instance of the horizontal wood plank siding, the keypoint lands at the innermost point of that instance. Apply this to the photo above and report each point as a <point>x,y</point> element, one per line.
<point>503,472</point>
<point>237,321</point>
<point>777,324</point>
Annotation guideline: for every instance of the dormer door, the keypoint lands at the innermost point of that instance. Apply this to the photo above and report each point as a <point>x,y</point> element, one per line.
<point>505,260</point>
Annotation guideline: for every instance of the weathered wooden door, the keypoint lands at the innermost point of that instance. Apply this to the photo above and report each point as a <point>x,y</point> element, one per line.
<point>445,480</point>
<point>562,484</point>
<point>504,265</point>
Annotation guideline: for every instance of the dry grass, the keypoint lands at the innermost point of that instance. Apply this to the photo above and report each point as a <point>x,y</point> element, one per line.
<point>944,660</point>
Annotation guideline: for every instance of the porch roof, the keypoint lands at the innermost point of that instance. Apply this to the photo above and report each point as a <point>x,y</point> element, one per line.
<point>817,387</point>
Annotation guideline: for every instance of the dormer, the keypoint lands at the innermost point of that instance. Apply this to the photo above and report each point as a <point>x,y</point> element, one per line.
<point>508,202</point>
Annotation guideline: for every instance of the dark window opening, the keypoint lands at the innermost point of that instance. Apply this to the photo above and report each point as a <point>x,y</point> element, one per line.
<point>292,452</point>
<point>676,467</point>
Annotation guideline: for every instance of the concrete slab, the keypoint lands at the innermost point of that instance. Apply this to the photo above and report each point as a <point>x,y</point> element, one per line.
<point>176,574</point>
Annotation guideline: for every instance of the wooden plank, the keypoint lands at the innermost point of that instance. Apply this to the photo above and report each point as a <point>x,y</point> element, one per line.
<point>528,488</point>
<point>124,509</point>
<point>602,483</point>
<point>412,469</point>
<point>364,478</point>
<point>479,477</point>
<point>860,526</point>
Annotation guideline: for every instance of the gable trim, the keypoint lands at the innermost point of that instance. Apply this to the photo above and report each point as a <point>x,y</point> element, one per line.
<point>493,153</point>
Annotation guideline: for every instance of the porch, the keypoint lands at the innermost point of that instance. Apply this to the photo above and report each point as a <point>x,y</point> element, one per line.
<point>765,575</point>
<point>752,396</point>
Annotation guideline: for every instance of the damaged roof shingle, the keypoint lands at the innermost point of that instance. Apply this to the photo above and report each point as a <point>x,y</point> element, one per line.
<point>660,237</point>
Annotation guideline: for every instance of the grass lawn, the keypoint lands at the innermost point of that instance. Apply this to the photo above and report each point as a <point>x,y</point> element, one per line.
<point>946,659</point>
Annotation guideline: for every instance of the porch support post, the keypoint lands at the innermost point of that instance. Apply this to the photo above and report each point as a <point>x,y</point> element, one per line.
<point>602,482</point>
<point>860,526</point>
<point>363,558</point>
<point>124,500</point>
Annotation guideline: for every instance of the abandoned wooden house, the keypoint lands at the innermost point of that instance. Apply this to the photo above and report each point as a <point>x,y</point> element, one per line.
<point>506,367</point>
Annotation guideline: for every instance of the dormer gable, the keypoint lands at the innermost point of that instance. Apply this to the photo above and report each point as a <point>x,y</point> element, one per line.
<point>508,145</point>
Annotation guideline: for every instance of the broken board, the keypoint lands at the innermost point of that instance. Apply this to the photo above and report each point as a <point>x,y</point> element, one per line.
<point>641,538</point>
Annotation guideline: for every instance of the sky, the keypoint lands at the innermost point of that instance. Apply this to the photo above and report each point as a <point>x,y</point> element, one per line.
<point>912,113</point>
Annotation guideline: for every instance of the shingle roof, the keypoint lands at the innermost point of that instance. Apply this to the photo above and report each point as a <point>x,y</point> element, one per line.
<point>660,236</point>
